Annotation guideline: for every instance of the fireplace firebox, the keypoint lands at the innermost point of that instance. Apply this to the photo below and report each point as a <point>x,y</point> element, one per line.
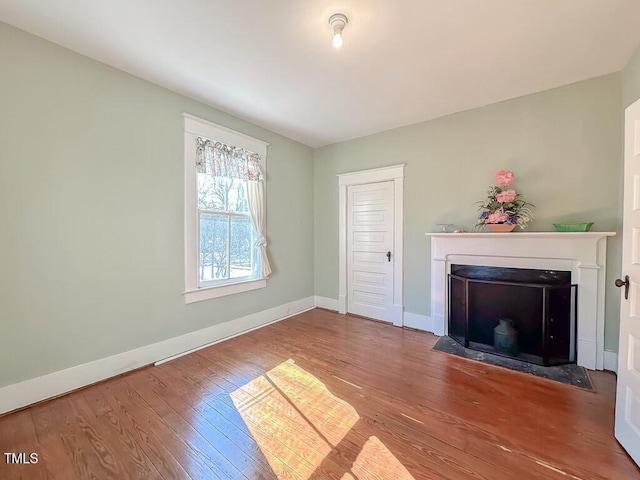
<point>526,314</point>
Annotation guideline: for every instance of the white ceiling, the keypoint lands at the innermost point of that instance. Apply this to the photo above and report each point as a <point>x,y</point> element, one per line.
<point>403,61</point>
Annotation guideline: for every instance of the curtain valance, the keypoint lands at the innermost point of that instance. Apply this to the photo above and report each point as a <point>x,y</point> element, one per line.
<point>221,160</point>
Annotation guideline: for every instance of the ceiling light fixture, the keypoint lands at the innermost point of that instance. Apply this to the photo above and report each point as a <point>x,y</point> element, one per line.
<point>337,22</point>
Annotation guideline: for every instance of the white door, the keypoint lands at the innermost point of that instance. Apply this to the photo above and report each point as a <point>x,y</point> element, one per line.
<point>370,210</point>
<point>628,390</point>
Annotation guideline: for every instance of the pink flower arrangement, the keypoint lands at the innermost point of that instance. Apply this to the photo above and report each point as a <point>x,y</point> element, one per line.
<point>506,196</point>
<point>504,205</point>
<point>504,178</point>
<point>498,217</point>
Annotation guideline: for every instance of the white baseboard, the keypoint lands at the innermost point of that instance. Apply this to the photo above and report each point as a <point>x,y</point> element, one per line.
<point>411,320</point>
<point>325,302</point>
<point>34,390</point>
<point>611,361</point>
<point>419,322</point>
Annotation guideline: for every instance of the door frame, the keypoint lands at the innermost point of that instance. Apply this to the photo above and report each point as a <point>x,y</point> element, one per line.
<point>375,175</point>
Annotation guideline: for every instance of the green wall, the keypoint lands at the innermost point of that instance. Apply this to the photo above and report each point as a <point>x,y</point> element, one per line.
<point>565,146</point>
<point>91,232</point>
<point>631,79</point>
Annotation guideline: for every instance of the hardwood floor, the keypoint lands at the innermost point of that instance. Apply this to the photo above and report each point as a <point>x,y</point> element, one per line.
<point>317,396</point>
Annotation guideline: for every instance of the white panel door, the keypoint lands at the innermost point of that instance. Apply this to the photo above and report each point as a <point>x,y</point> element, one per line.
<point>370,210</point>
<point>628,389</point>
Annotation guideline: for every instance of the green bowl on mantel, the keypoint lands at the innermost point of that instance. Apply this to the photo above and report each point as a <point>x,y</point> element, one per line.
<point>573,227</point>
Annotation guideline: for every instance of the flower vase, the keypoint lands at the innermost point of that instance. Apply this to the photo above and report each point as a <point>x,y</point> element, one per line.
<point>500,227</point>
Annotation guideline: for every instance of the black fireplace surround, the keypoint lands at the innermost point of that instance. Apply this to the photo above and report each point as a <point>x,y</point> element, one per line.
<point>535,312</point>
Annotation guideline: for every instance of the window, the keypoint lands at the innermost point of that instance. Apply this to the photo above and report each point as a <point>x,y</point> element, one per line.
<point>227,236</point>
<point>225,231</point>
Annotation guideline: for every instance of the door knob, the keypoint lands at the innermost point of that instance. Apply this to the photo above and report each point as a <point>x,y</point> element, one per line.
<point>389,256</point>
<point>619,283</point>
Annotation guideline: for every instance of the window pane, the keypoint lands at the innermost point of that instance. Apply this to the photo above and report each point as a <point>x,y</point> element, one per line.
<point>212,192</point>
<point>241,247</point>
<point>226,241</point>
<point>223,194</point>
<point>214,247</point>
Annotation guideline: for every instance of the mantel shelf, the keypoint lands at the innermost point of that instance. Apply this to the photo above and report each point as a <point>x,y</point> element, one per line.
<point>521,235</point>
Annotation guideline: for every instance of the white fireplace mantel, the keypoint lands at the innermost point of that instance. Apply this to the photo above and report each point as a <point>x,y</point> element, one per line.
<point>581,253</point>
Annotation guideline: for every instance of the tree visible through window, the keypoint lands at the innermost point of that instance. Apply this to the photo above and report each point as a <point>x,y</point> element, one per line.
<point>227,235</point>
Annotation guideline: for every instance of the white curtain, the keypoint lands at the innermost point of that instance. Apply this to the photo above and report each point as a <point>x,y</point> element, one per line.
<point>257,208</point>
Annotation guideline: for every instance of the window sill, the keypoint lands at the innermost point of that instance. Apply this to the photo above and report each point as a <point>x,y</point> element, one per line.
<point>201,294</point>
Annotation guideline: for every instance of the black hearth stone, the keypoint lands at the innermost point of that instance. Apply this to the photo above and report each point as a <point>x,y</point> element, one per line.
<point>571,374</point>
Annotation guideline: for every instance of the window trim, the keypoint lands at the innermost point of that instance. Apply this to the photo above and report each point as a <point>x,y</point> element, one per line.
<point>194,127</point>
<point>207,293</point>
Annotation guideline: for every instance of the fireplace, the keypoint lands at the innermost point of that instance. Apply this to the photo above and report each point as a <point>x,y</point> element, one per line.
<point>581,253</point>
<point>526,314</point>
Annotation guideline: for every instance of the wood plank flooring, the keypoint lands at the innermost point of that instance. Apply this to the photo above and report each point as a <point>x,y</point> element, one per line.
<point>322,396</point>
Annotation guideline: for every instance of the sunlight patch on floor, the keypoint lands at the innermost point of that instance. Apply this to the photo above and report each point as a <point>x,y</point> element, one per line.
<point>375,461</point>
<point>296,421</point>
<point>282,433</point>
<point>347,476</point>
<point>329,415</point>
